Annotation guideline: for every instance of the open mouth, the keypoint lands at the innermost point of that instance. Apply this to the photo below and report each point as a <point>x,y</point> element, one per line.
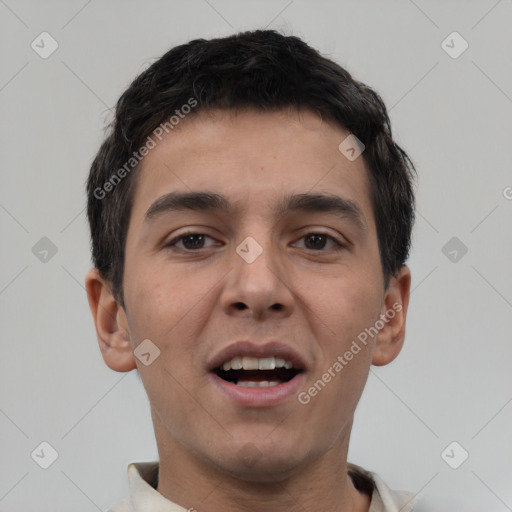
<point>254,372</point>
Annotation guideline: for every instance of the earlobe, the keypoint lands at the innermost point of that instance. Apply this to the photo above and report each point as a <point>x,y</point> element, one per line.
<point>393,314</point>
<point>110,322</point>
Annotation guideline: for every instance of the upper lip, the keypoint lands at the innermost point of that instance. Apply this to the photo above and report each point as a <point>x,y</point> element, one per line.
<point>259,350</point>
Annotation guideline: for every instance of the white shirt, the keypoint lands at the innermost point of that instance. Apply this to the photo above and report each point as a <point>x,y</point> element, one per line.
<point>144,497</point>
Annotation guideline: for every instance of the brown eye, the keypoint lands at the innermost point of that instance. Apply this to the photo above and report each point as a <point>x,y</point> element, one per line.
<point>193,241</point>
<point>189,242</point>
<point>319,241</point>
<point>316,241</point>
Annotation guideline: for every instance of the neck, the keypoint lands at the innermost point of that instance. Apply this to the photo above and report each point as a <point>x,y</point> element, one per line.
<point>322,485</point>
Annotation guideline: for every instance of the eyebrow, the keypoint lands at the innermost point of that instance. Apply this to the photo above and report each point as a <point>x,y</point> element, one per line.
<point>211,202</point>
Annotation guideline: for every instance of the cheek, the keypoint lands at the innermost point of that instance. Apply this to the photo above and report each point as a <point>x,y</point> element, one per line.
<point>342,306</point>
<point>352,306</point>
<point>171,310</point>
<point>157,300</point>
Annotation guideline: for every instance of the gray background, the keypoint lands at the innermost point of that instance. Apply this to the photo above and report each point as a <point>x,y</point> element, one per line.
<point>452,381</point>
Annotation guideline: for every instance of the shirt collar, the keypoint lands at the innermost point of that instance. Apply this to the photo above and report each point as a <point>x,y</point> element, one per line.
<point>143,478</point>
<point>384,499</point>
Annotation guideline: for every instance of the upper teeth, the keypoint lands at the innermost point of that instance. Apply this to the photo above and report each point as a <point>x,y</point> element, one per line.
<point>255,363</point>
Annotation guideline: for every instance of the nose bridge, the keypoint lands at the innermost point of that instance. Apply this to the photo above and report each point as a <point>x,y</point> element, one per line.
<point>256,279</point>
<point>255,256</point>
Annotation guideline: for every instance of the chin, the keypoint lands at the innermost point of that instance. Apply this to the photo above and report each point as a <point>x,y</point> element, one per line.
<point>255,463</point>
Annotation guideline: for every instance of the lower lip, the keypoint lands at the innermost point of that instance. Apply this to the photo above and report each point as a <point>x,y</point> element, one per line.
<point>259,397</point>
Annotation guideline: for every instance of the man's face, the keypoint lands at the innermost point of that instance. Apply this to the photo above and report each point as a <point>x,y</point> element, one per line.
<point>303,299</point>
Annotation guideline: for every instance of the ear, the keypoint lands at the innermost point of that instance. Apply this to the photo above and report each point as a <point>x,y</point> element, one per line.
<point>111,323</point>
<point>393,314</point>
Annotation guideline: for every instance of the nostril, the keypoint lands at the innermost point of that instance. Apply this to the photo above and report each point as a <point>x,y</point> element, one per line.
<point>240,305</point>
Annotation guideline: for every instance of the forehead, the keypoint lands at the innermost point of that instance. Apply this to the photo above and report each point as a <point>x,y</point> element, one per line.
<point>253,158</point>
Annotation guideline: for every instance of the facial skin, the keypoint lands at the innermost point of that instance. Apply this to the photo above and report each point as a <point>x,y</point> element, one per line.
<point>299,291</point>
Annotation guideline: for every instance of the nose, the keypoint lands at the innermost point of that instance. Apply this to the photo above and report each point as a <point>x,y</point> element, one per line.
<point>258,285</point>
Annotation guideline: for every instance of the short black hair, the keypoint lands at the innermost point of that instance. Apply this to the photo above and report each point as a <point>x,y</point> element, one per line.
<point>259,69</point>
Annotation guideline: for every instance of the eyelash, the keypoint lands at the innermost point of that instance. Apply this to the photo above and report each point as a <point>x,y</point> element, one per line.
<point>171,245</point>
